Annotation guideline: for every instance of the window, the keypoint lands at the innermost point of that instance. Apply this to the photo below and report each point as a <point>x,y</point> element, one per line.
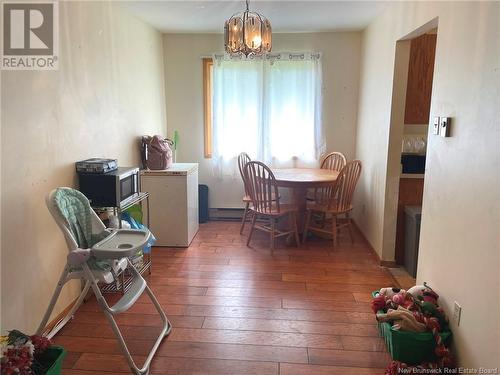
<point>269,107</point>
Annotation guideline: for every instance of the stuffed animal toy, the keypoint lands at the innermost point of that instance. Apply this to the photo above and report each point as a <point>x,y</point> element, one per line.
<point>389,292</point>
<point>378,303</point>
<point>399,298</point>
<point>430,296</point>
<point>430,310</point>
<point>427,303</point>
<point>394,297</point>
<point>402,319</point>
<point>417,291</point>
<point>419,312</point>
<point>423,293</point>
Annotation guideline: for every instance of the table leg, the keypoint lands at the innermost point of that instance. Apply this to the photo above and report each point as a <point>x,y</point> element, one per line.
<point>299,199</point>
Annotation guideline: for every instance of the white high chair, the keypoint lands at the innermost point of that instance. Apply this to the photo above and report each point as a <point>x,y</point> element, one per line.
<point>78,268</point>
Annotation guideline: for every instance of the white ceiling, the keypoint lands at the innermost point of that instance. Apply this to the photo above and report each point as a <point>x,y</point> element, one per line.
<point>285,16</point>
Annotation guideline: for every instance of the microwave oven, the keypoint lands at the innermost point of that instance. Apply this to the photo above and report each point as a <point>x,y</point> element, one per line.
<point>111,189</point>
<point>412,163</point>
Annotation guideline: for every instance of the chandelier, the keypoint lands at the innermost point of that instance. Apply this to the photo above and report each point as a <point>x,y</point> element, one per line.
<point>247,33</point>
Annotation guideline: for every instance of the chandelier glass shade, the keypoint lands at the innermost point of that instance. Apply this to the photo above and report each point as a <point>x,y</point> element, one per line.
<point>247,33</point>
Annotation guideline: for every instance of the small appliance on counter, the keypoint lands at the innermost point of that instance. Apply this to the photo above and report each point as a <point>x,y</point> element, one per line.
<point>96,165</point>
<point>413,163</point>
<point>413,154</point>
<point>173,195</point>
<point>111,189</point>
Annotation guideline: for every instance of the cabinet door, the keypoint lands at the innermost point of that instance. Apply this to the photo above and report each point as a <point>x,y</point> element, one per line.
<point>168,209</point>
<point>419,86</point>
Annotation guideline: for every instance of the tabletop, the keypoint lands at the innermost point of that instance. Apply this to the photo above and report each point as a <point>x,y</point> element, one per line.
<point>304,177</point>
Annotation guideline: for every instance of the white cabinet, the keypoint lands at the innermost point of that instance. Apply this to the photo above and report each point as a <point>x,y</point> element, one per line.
<point>173,203</point>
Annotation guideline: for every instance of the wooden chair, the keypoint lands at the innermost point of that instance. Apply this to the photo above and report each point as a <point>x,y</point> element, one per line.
<point>243,159</point>
<point>334,161</point>
<point>266,202</point>
<point>334,200</point>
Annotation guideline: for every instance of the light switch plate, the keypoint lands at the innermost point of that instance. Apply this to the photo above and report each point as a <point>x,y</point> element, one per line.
<point>444,126</point>
<point>457,313</point>
<point>435,126</point>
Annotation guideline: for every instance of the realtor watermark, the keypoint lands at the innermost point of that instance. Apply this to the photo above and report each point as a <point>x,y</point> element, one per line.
<point>458,370</point>
<point>30,35</point>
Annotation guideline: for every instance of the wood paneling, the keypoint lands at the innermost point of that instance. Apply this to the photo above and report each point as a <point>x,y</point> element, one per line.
<point>411,192</point>
<point>419,86</point>
<point>245,324</point>
<point>207,104</point>
<point>234,352</point>
<point>295,369</point>
<point>325,305</point>
<point>70,359</point>
<point>114,364</point>
<point>287,314</point>
<point>298,294</point>
<point>371,344</point>
<point>58,318</point>
<point>348,358</point>
<point>243,311</point>
<point>301,340</point>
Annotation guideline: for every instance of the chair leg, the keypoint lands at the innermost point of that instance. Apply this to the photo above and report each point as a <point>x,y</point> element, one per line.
<point>334,231</point>
<point>306,225</point>
<point>166,329</point>
<point>245,214</point>
<point>252,227</point>
<point>349,227</point>
<point>322,219</point>
<point>273,231</point>
<point>295,228</point>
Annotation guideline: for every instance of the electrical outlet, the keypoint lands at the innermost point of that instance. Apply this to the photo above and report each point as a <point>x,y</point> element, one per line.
<point>457,312</point>
<point>435,126</point>
<point>444,126</point>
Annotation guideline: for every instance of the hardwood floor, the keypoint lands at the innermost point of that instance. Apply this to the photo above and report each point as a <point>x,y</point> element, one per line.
<point>238,310</point>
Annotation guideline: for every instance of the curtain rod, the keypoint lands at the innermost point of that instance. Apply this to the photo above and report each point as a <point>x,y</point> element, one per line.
<point>271,54</point>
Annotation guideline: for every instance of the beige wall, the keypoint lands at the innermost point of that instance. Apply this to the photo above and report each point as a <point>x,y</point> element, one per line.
<point>459,241</point>
<point>183,73</point>
<point>402,58</point>
<point>108,91</point>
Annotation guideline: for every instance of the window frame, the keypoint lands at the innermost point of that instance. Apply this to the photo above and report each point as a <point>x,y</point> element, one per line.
<point>207,63</point>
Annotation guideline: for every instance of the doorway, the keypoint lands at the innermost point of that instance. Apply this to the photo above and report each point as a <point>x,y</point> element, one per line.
<point>410,118</point>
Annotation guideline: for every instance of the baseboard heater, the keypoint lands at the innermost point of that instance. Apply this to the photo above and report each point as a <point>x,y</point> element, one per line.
<point>226,214</point>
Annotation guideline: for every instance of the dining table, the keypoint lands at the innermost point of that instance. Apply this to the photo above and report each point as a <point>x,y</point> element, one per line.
<point>299,180</point>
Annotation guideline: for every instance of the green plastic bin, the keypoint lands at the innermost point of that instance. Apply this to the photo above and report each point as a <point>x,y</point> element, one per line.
<point>54,357</point>
<point>410,347</point>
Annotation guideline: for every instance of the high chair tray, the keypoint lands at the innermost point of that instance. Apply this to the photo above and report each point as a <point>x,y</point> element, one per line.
<point>121,243</point>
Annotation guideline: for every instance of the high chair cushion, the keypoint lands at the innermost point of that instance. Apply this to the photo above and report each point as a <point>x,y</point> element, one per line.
<point>75,208</point>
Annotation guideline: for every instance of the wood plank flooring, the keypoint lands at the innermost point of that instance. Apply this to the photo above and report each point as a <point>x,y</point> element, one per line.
<point>238,310</point>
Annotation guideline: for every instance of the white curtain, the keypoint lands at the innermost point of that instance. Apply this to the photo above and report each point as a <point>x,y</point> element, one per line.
<point>269,107</point>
